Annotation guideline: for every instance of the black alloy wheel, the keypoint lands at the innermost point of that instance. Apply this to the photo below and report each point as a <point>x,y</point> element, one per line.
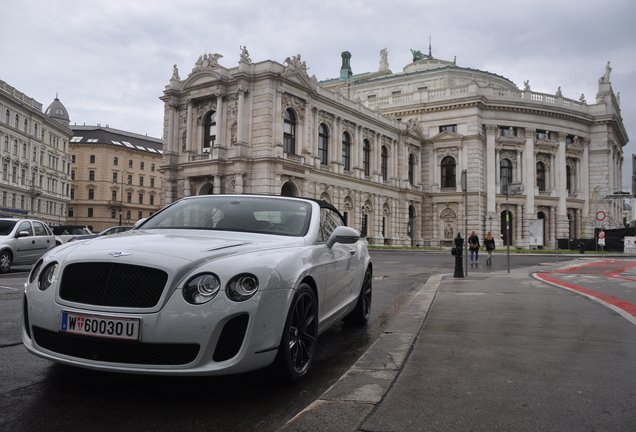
<point>298,345</point>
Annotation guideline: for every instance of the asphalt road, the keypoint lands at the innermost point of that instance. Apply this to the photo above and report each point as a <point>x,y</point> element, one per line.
<point>38,395</point>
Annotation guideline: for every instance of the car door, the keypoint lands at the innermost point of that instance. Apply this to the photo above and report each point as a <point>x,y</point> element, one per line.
<point>44,239</point>
<point>339,262</point>
<point>25,247</point>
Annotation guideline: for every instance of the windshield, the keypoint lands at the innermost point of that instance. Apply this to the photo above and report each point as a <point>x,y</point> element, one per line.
<point>250,214</point>
<point>6,226</point>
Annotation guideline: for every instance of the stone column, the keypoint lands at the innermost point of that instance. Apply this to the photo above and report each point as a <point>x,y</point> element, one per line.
<point>585,182</point>
<point>170,136</point>
<point>217,185</point>
<point>240,116</point>
<point>190,144</point>
<point>562,215</point>
<point>492,167</point>
<point>529,174</point>
<point>220,121</point>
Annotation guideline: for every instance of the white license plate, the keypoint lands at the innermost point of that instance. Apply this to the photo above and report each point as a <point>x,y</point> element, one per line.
<point>100,326</point>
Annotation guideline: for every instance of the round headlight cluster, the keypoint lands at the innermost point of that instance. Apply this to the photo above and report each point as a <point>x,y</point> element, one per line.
<point>47,276</point>
<point>242,287</point>
<point>201,289</point>
<point>34,271</point>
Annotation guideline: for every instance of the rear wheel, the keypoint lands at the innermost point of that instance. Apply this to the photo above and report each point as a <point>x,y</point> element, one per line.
<point>5,261</point>
<point>298,344</point>
<point>360,315</point>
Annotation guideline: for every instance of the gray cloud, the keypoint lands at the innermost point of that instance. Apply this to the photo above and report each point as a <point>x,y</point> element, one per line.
<point>110,59</point>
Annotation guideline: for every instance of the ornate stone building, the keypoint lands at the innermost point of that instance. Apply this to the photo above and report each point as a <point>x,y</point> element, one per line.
<point>388,148</point>
<point>35,168</point>
<point>116,179</point>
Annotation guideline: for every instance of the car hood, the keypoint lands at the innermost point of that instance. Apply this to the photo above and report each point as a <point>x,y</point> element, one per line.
<point>194,246</point>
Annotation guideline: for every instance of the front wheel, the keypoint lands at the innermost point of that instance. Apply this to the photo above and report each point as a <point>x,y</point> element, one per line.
<point>360,315</point>
<point>298,344</point>
<point>5,261</point>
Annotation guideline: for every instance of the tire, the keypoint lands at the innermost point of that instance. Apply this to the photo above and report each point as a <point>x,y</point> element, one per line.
<point>360,315</point>
<point>5,261</point>
<point>300,335</point>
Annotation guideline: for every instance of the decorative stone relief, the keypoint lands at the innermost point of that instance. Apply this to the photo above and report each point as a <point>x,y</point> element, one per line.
<point>449,219</point>
<point>203,108</point>
<point>447,151</point>
<point>296,103</point>
<point>294,64</point>
<point>206,61</point>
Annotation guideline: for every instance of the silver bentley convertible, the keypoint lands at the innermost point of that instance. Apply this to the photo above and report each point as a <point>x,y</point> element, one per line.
<point>213,284</point>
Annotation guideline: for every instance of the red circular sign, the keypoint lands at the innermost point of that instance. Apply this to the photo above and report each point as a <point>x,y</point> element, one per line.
<point>600,216</point>
<point>601,234</point>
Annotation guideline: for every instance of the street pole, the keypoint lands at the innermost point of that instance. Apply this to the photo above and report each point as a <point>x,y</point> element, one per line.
<point>121,197</point>
<point>465,189</point>
<point>507,227</point>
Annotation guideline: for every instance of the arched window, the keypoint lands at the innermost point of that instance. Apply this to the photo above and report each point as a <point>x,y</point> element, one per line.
<point>346,151</point>
<point>323,144</point>
<point>541,176</point>
<point>384,163</point>
<point>449,178</point>
<point>411,168</point>
<point>6,118</point>
<point>289,132</point>
<point>568,178</point>
<point>210,131</point>
<point>35,130</point>
<point>26,125</point>
<point>366,157</point>
<point>17,121</point>
<point>505,174</point>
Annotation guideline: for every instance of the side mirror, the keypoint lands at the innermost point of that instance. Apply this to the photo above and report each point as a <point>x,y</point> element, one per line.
<point>343,234</point>
<point>139,222</point>
<point>22,234</point>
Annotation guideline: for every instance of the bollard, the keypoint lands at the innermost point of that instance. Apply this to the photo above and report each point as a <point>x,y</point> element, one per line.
<point>459,266</point>
<point>581,248</point>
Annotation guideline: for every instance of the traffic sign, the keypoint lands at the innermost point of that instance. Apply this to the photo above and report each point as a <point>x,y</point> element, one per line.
<point>600,216</point>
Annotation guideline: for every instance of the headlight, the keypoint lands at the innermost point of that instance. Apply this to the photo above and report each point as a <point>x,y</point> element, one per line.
<point>201,289</point>
<point>46,277</point>
<point>34,271</point>
<point>242,287</point>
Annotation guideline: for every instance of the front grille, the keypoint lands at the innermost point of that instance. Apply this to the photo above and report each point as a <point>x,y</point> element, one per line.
<point>112,284</point>
<point>115,351</point>
<point>231,338</point>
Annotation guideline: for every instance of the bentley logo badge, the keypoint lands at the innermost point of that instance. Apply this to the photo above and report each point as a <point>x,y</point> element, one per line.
<point>118,254</point>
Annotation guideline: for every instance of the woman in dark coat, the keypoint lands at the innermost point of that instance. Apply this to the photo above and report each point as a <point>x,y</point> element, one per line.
<point>489,242</point>
<point>473,244</point>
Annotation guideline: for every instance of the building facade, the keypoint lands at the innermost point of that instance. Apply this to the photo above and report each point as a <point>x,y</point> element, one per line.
<point>35,168</point>
<point>389,149</point>
<point>115,177</point>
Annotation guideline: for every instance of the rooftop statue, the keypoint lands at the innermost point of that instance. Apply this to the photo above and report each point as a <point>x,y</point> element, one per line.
<point>417,55</point>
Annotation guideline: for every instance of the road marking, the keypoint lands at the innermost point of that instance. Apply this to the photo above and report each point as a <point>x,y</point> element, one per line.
<point>625,309</point>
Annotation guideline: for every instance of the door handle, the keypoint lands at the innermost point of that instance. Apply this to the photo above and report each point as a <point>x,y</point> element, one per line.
<point>352,252</point>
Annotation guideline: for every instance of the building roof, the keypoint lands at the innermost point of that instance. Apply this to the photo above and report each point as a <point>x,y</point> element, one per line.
<point>116,138</point>
<point>57,111</point>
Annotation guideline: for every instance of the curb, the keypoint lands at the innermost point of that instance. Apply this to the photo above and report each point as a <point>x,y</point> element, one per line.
<point>352,398</point>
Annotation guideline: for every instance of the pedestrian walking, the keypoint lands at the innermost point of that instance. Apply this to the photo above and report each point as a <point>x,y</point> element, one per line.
<point>473,242</point>
<point>489,242</point>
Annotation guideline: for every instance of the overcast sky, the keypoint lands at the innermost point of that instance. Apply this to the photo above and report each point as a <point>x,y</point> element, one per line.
<point>109,61</point>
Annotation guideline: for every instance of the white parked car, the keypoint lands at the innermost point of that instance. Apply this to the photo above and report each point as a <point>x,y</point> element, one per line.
<point>213,284</point>
<point>64,233</point>
<point>23,242</point>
